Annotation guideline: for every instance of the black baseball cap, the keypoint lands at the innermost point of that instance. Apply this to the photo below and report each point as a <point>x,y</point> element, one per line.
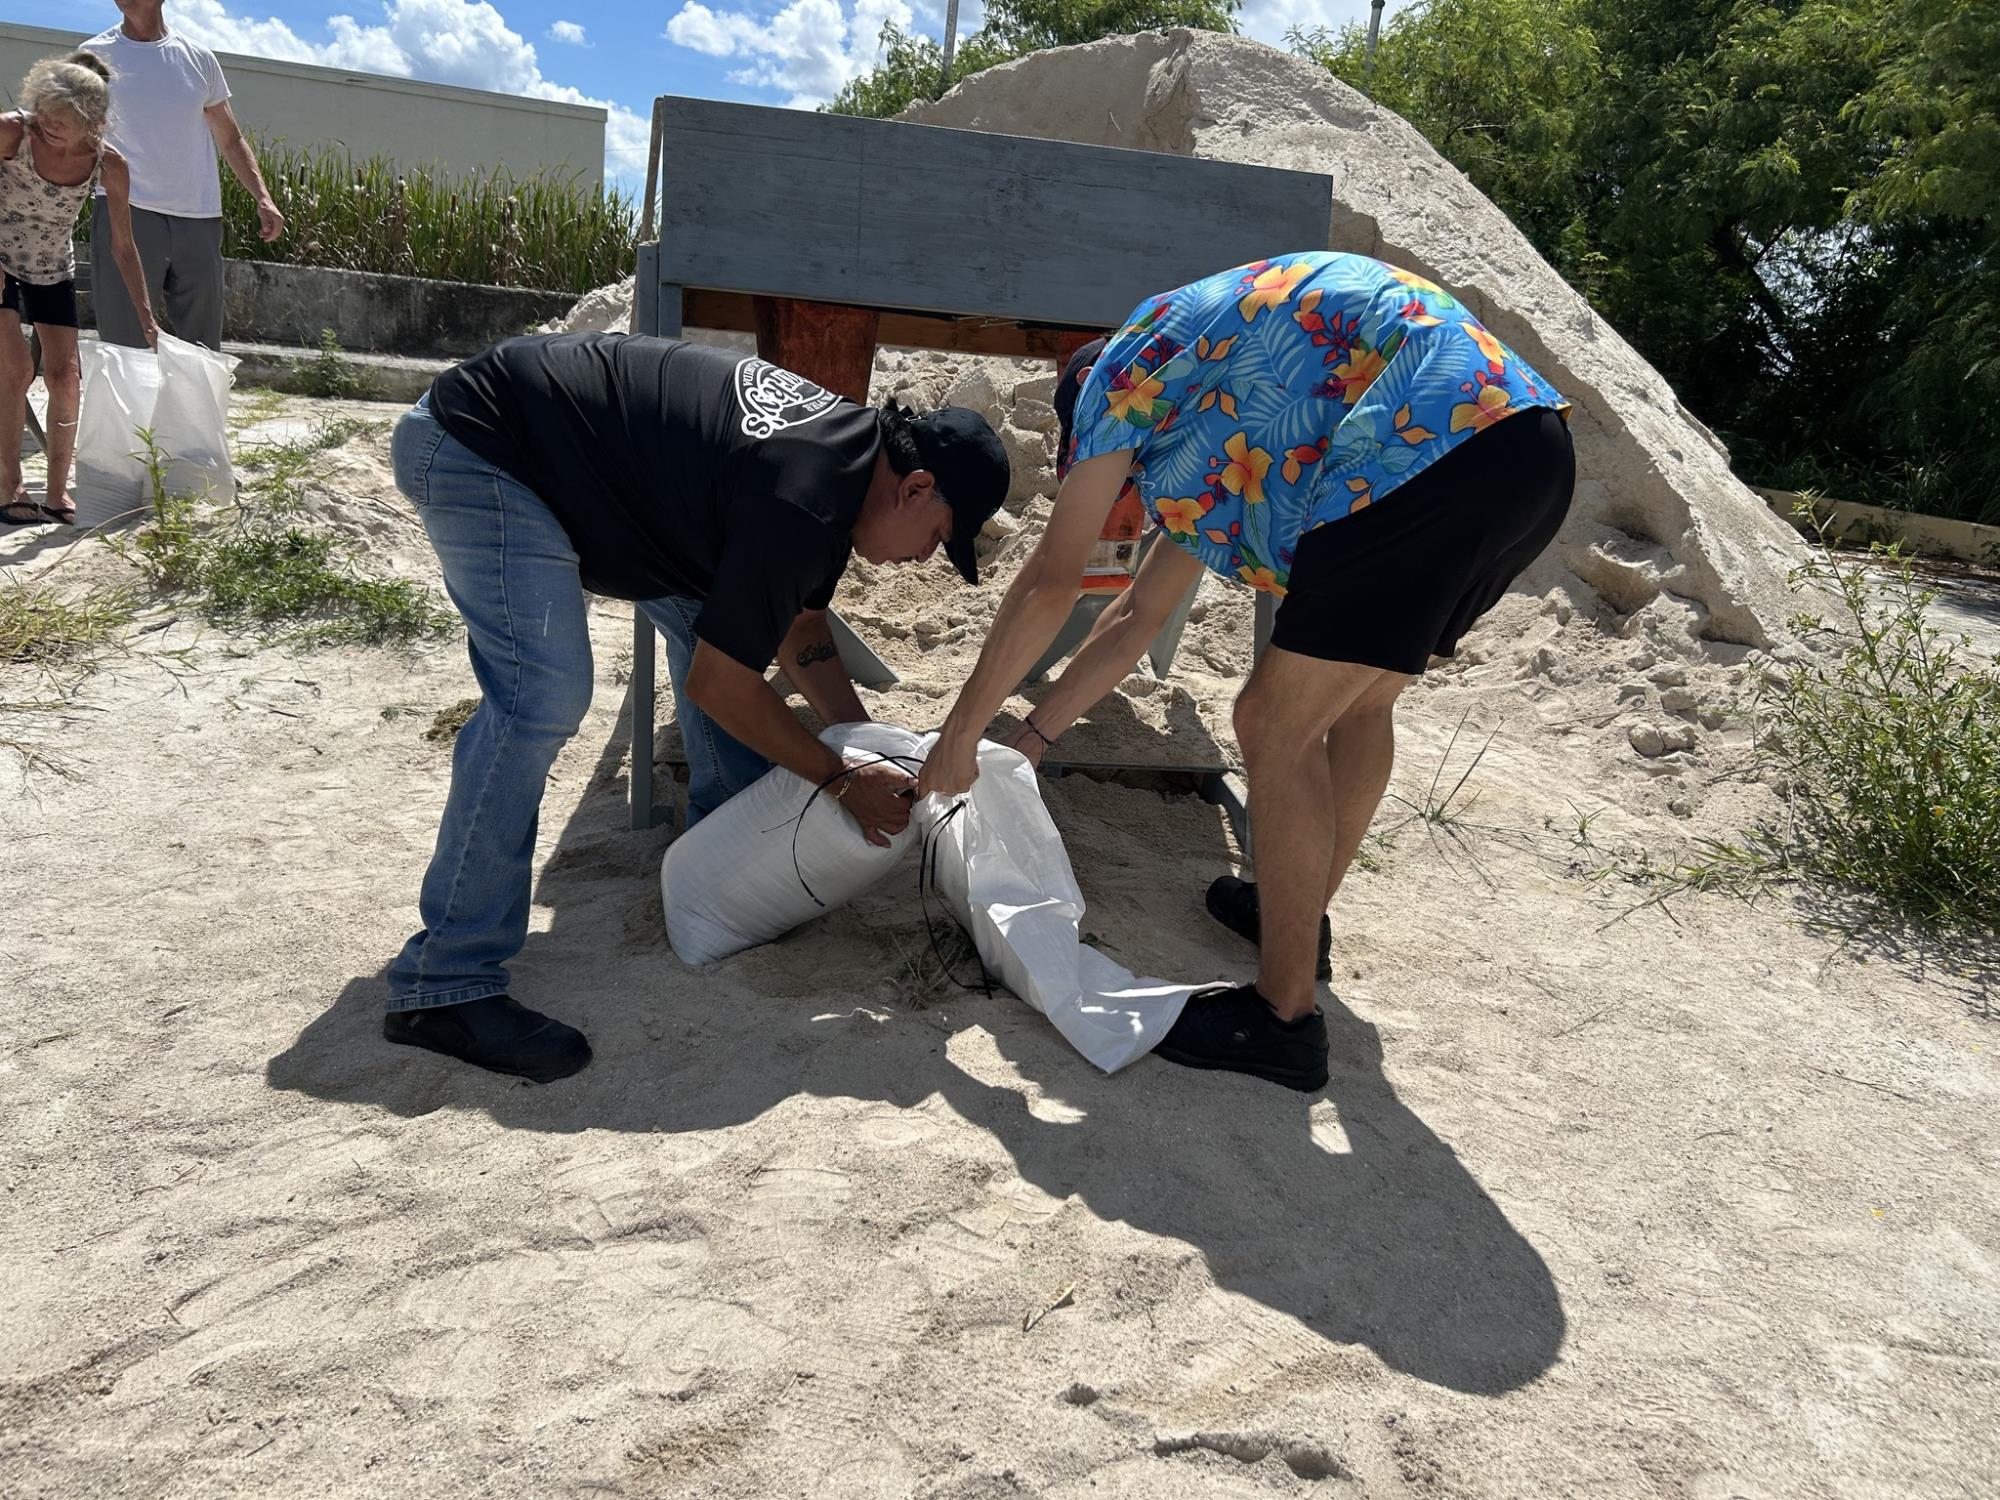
<point>966,458</point>
<point>1067,388</point>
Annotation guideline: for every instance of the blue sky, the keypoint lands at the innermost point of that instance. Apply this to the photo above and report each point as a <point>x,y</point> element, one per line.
<point>788,52</point>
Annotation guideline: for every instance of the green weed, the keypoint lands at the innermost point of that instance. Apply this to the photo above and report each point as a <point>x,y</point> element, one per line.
<point>277,472</point>
<point>446,722</point>
<point>1449,810</point>
<point>330,376</point>
<point>50,638</point>
<point>249,572</point>
<point>1886,751</point>
<point>45,627</point>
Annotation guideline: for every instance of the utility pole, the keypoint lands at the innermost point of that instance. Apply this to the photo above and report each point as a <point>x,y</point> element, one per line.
<point>1367,60</point>
<point>951,43</point>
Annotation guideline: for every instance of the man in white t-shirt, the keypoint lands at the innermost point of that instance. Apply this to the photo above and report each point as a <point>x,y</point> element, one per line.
<point>170,115</point>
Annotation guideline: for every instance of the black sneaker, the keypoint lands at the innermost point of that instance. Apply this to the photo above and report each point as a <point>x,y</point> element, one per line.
<point>1230,1027</point>
<point>497,1033</point>
<point>1233,903</point>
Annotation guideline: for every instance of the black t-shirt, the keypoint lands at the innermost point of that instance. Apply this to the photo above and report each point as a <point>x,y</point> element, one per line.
<point>676,469</point>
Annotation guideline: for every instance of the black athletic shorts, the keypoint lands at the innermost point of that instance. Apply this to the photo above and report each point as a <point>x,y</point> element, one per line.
<point>1399,582</point>
<point>44,306</point>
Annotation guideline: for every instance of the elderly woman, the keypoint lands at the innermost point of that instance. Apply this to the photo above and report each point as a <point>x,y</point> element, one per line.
<point>1338,433</point>
<point>52,157</point>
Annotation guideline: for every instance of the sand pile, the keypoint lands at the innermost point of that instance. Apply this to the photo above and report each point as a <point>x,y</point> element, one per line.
<point>1652,618</point>
<point>1664,543</point>
<point>606,310</point>
<point>609,310</point>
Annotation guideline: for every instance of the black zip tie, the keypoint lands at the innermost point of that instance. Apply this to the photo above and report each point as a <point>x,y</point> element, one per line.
<point>797,824</point>
<point>927,865</point>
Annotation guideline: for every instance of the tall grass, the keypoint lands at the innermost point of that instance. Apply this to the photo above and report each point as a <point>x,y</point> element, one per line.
<point>549,231</point>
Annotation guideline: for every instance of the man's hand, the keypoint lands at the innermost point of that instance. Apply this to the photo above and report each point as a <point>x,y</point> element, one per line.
<point>229,140</point>
<point>879,797</point>
<point>148,328</point>
<point>951,767</point>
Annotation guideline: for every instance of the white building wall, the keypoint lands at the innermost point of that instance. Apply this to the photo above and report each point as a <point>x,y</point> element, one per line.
<point>415,124</point>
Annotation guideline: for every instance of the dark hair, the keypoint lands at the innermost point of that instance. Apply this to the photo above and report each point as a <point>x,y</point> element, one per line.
<point>91,61</point>
<point>899,444</point>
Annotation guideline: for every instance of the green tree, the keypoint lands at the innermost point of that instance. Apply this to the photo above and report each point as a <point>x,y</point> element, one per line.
<point>1030,25</point>
<point>1788,206</point>
<point>1501,87</point>
<point>912,70</point>
<point>912,67</point>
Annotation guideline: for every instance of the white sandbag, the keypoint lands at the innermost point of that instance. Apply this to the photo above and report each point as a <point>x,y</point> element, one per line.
<point>750,871</point>
<point>999,864</point>
<point>180,394</point>
<point>120,389</point>
<point>191,418</point>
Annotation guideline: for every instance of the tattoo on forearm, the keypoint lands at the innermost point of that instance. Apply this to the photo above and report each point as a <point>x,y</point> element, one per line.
<point>812,655</point>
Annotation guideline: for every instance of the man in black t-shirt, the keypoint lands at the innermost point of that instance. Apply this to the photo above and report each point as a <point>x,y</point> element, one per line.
<point>722,494</point>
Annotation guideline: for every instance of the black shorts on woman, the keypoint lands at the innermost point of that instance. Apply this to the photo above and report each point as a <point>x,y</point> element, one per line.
<point>52,306</point>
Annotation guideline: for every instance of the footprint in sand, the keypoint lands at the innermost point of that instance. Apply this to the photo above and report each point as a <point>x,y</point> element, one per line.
<point>845,1359</point>
<point>1236,1348</point>
<point>972,1243</point>
<point>300,1166</point>
<point>900,1129</point>
<point>788,1196</point>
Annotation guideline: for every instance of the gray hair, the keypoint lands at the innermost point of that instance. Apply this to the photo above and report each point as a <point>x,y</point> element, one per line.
<point>78,85</point>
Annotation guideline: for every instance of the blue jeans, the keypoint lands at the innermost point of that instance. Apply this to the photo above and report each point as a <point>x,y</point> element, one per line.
<point>509,567</point>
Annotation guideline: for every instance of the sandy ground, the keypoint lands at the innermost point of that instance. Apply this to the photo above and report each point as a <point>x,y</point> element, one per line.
<point>1686,1200</point>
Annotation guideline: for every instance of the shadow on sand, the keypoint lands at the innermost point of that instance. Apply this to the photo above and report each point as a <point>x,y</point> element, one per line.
<point>1386,1241</point>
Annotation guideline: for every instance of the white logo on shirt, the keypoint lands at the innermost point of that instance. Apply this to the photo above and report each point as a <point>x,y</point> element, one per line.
<point>773,399</point>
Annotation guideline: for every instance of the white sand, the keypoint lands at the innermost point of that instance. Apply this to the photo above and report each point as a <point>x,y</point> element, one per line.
<point>1692,1204</point>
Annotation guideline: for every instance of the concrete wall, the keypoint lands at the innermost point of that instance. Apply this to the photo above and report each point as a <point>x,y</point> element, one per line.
<point>265,302</point>
<point>1857,524</point>
<point>416,124</point>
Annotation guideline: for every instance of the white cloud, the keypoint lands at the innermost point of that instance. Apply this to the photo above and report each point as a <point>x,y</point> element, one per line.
<point>808,50</point>
<point>569,33</point>
<point>811,47</point>
<point>463,42</point>
<point>1269,20</point>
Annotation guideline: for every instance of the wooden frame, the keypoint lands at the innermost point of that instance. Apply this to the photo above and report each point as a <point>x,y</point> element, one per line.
<point>956,240</point>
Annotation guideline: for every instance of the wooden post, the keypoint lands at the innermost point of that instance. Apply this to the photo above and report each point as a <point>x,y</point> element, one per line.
<point>832,346</point>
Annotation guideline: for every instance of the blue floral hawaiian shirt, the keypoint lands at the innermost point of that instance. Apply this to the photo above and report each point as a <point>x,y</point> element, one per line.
<point>1265,401</point>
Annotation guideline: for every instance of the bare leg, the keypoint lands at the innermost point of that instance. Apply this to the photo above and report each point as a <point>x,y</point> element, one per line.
<point>1360,753</point>
<point>1282,723</point>
<point>17,373</point>
<point>63,377</point>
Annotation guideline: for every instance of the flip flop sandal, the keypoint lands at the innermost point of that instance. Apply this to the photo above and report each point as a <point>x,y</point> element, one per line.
<point>66,516</point>
<point>34,516</point>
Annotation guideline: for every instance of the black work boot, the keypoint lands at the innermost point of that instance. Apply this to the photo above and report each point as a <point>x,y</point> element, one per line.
<point>497,1033</point>
<point>1233,903</point>
<point>1232,1028</point>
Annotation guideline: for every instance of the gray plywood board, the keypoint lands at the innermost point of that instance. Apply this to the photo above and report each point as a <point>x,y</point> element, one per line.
<point>879,213</point>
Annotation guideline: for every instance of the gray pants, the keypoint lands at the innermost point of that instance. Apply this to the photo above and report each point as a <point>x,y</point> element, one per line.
<point>182,259</point>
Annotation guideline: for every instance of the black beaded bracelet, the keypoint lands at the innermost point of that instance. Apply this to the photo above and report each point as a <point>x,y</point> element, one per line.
<point>1047,743</point>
